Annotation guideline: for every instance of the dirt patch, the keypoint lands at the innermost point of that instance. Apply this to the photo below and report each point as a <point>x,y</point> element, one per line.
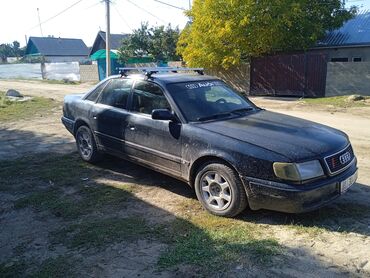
<point>43,89</point>
<point>60,216</point>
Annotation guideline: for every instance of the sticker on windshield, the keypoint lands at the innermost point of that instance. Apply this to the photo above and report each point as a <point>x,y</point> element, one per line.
<point>197,85</point>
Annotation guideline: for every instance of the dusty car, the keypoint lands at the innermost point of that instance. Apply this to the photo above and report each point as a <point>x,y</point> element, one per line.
<point>197,129</point>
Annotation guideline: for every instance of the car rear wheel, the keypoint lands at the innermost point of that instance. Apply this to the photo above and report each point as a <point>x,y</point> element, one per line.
<point>219,190</point>
<point>86,145</point>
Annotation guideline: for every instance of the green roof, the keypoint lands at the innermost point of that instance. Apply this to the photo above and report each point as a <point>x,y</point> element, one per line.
<point>101,54</point>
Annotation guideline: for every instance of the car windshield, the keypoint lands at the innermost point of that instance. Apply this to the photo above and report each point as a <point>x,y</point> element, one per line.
<point>208,100</point>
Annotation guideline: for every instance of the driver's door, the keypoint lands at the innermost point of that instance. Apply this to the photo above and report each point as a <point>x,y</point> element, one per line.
<point>153,142</point>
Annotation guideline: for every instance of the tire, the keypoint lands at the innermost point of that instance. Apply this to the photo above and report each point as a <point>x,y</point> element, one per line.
<point>220,190</point>
<point>86,145</point>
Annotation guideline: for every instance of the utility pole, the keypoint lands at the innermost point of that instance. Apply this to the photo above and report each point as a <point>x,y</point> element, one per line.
<point>38,14</point>
<point>107,39</point>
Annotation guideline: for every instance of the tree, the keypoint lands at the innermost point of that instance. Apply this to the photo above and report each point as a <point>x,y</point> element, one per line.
<point>224,32</point>
<point>10,50</point>
<point>6,51</point>
<point>158,42</point>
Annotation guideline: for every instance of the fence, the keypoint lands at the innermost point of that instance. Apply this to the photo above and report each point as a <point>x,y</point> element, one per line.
<point>89,73</point>
<point>237,77</point>
<point>61,71</point>
<point>27,71</point>
<point>348,78</point>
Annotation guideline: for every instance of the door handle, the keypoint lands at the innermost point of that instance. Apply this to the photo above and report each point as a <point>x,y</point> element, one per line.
<point>95,117</point>
<point>132,127</point>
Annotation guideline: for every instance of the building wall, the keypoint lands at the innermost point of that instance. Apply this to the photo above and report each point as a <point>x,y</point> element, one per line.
<point>89,73</point>
<point>347,52</point>
<point>348,78</point>
<point>65,59</point>
<point>237,77</point>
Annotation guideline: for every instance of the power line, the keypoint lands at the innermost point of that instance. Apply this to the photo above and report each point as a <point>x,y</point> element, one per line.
<point>123,19</point>
<point>153,15</point>
<point>56,15</point>
<point>170,5</point>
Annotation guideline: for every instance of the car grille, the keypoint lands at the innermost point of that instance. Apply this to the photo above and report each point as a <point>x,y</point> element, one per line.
<point>340,161</point>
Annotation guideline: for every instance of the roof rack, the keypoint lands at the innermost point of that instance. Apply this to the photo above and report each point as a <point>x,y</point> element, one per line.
<point>149,71</point>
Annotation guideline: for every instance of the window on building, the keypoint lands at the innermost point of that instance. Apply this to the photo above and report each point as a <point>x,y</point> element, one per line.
<point>356,59</point>
<point>339,59</point>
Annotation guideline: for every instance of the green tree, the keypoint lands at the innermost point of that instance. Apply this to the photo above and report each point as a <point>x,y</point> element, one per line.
<point>158,42</point>
<point>224,32</point>
<point>6,50</point>
<point>10,50</point>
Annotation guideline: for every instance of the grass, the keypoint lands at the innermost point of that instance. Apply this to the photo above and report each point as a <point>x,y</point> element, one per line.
<point>15,110</point>
<point>337,101</point>
<point>59,267</point>
<point>89,212</point>
<point>61,82</point>
<point>89,209</point>
<point>56,184</point>
<point>98,233</point>
<point>90,217</point>
<point>58,170</point>
<point>12,270</point>
<point>340,218</point>
<point>85,201</point>
<point>215,243</point>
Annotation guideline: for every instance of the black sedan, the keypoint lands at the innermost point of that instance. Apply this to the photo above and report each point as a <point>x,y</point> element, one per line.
<point>197,129</point>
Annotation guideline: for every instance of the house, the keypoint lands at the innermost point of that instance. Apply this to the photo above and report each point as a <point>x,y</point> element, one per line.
<point>100,42</point>
<point>57,49</point>
<point>338,64</point>
<point>350,43</point>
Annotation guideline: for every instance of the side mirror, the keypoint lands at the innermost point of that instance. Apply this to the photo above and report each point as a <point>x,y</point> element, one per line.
<point>163,114</point>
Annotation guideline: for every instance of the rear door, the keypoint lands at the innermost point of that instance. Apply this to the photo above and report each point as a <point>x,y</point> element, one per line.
<point>153,142</point>
<point>109,115</point>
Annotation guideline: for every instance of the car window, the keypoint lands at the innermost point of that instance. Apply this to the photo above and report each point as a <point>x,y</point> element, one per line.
<point>93,96</point>
<point>116,93</point>
<point>218,94</point>
<point>148,96</point>
<point>203,99</point>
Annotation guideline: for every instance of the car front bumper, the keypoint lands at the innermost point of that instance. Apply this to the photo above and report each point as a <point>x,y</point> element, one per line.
<point>264,194</point>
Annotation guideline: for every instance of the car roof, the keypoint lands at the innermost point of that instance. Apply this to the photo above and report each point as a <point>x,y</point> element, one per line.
<point>168,78</point>
<point>181,77</point>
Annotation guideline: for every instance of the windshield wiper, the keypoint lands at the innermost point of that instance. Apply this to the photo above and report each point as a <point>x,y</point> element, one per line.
<point>242,110</point>
<point>214,116</point>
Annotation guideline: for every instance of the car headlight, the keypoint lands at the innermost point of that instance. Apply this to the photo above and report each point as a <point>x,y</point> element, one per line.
<point>298,171</point>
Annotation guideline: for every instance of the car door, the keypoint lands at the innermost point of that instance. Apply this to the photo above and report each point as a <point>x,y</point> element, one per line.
<point>109,115</point>
<point>153,142</point>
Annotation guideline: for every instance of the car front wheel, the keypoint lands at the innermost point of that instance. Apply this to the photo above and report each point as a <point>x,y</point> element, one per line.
<point>219,190</point>
<point>86,145</point>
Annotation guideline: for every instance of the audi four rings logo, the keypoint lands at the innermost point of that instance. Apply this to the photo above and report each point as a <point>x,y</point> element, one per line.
<point>344,158</point>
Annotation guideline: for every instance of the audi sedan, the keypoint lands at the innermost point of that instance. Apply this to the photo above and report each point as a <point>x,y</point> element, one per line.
<point>197,129</point>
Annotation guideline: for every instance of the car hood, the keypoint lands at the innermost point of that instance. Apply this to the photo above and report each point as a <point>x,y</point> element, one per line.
<point>292,137</point>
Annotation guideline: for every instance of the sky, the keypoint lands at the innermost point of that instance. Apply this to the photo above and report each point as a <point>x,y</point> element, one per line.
<point>19,18</point>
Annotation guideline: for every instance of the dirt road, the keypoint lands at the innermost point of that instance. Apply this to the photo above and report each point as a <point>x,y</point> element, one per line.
<point>43,89</point>
<point>334,241</point>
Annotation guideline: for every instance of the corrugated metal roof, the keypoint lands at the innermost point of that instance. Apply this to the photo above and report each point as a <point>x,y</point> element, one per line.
<point>115,39</point>
<point>355,31</point>
<point>49,46</point>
